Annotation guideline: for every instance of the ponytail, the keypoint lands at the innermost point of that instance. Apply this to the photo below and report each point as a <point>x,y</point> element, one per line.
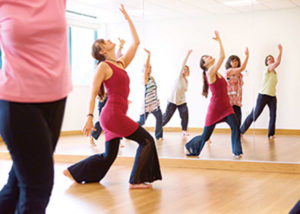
<point>205,83</point>
<point>99,57</point>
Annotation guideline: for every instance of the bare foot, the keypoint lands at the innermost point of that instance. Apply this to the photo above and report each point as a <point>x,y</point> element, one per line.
<point>185,133</point>
<point>140,186</point>
<point>272,137</point>
<point>159,140</point>
<point>92,141</point>
<point>237,157</point>
<point>67,173</point>
<point>209,141</point>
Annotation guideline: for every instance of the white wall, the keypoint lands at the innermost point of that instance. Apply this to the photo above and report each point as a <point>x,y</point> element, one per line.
<point>169,41</point>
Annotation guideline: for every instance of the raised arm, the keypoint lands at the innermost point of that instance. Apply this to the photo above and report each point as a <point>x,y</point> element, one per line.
<point>185,60</point>
<point>147,66</point>
<point>214,69</point>
<point>100,76</point>
<point>127,58</point>
<point>278,60</point>
<point>234,71</point>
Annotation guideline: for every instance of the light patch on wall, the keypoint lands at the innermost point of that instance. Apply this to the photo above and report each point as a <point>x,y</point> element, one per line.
<point>240,3</point>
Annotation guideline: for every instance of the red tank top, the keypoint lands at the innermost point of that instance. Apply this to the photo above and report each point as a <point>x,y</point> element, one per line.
<point>219,106</point>
<point>114,121</point>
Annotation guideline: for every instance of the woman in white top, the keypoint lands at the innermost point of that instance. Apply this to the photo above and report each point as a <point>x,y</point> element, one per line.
<point>177,99</point>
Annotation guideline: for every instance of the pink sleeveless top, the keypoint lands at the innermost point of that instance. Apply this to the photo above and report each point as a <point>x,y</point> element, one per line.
<point>219,106</point>
<point>114,121</point>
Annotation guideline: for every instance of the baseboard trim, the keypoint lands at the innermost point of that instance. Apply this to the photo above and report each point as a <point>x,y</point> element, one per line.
<point>235,165</point>
<point>200,130</point>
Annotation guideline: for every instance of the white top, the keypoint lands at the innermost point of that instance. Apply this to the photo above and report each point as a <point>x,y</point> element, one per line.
<point>181,85</point>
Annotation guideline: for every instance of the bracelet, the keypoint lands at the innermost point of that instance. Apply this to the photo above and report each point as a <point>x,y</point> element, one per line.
<point>90,115</point>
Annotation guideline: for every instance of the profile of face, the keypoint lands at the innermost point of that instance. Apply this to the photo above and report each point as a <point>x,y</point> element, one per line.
<point>106,46</point>
<point>209,61</point>
<point>234,63</point>
<point>186,71</point>
<point>270,60</point>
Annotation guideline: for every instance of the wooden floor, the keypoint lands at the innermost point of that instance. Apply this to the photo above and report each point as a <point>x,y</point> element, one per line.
<point>185,188</point>
<point>182,190</point>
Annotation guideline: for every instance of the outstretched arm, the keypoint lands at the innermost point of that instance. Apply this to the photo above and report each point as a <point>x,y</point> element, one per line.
<point>147,66</point>
<point>99,77</point>
<point>234,71</point>
<point>214,69</point>
<point>127,58</point>
<point>185,60</point>
<point>278,60</point>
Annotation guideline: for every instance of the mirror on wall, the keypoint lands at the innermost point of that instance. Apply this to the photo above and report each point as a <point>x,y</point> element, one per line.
<point>169,29</point>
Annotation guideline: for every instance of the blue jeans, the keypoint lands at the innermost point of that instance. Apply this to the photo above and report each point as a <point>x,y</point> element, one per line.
<point>261,102</point>
<point>30,131</point>
<point>195,145</point>
<point>96,134</point>
<point>238,114</point>
<point>145,168</point>
<point>158,126</point>
<point>183,112</point>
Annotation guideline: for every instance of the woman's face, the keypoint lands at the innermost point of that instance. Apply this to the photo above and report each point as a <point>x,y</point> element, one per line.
<point>186,71</point>
<point>234,63</point>
<point>209,61</point>
<point>106,46</point>
<point>270,60</point>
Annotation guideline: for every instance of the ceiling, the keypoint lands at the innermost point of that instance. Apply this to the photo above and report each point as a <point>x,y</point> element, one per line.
<point>107,11</point>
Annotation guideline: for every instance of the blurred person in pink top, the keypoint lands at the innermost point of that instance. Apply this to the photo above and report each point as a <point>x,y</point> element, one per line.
<point>34,83</point>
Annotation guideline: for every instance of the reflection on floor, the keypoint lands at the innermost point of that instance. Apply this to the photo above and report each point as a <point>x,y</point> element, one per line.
<point>182,190</point>
<point>257,148</point>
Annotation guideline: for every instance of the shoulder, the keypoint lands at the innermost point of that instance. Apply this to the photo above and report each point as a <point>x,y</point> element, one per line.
<point>121,62</point>
<point>103,67</point>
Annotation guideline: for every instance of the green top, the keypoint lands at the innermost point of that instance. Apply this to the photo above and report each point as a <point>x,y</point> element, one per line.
<point>269,83</point>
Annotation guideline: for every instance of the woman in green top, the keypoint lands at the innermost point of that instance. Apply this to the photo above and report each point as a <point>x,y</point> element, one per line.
<point>267,95</point>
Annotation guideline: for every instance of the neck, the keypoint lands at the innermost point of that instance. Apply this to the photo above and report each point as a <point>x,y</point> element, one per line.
<point>111,59</point>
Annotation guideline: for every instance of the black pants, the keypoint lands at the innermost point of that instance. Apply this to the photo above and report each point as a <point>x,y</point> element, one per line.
<point>96,134</point>
<point>158,126</point>
<point>183,112</point>
<point>261,102</point>
<point>30,131</point>
<point>145,168</point>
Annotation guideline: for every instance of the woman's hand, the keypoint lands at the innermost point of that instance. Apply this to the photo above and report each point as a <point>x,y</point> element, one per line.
<point>122,9</point>
<point>88,127</point>
<point>247,51</point>
<point>217,36</point>
<point>280,47</point>
<point>147,51</point>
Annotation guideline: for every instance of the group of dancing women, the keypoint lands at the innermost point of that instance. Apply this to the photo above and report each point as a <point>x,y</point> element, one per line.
<point>111,83</point>
<point>32,104</point>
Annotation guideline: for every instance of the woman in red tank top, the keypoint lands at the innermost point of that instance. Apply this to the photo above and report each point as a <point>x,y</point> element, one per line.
<point>114,121</point>
<point>219,109</point>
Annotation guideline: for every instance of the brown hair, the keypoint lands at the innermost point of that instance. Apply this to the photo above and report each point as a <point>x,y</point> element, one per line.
<point>231,58</point>
<point>205,83</point>
<point>188,68</point>
<point>266,59</point>
<point>100,57</point>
